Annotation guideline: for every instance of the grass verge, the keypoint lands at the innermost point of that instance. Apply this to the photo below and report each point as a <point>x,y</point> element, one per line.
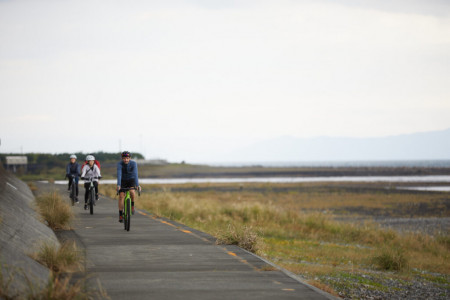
<point>56,212</point>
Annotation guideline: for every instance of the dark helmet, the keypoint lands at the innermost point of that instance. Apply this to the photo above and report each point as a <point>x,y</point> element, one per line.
<point>126,154</point>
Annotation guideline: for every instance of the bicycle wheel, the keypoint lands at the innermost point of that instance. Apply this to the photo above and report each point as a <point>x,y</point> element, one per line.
<point>128,222</point>
<point>91,200</point>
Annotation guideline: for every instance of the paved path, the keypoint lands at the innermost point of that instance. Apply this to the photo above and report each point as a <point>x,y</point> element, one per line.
<point>160,259</point>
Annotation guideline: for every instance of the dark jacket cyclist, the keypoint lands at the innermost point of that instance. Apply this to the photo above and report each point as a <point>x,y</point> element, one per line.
<point>73,169</point>
<point>127,177</point>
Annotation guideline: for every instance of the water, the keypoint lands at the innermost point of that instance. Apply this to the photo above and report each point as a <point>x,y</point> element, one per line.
<point>443,163</point>
<point>431,178</point>
<point>427,188</point>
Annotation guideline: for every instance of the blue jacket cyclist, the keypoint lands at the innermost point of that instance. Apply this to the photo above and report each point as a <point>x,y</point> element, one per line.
<point>127,178</point>
<point>73,169</point>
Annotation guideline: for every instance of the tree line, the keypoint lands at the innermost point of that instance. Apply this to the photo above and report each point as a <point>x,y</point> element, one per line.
<point>60,160</point>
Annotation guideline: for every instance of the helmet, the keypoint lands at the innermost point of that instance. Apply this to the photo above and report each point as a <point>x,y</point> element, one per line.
<point>126,154</point>
<point>73,156</point>
<point>90,157</point>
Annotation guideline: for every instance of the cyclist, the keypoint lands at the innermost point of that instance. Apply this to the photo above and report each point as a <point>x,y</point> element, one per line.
<point>73,169</point>
<point>127,177</point>
<point>90,172</point>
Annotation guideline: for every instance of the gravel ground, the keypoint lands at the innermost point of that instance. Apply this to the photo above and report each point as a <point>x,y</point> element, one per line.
<point>431,226</point>
<point>375,286</point>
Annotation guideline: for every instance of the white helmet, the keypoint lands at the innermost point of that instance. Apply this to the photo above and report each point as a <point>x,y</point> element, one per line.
<point>90,157</point>
<point>73,156</point>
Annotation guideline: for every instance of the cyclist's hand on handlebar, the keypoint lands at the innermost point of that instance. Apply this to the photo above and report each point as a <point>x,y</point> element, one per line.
<point>82,178</point>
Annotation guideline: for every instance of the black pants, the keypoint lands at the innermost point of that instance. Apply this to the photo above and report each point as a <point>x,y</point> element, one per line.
<point>76,185</point>
<point>86,193</point>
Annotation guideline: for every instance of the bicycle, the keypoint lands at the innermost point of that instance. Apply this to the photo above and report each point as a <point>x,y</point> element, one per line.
<point>91,198</point>
<point>127,207</point>
<point>73,194</point>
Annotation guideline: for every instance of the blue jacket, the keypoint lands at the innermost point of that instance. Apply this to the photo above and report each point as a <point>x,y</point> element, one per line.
<point>127,172</point>
<point>73,169</point>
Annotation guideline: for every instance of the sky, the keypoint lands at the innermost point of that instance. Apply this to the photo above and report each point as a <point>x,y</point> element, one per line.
<point>194,79</point>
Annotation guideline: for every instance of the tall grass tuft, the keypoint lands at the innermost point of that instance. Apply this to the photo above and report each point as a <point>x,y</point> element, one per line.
<point>56,212</point>
<point>7,276</point>
<point>244,237</point>
<point>391,259</point>
<point>60,288</point>
<point>60,259</point>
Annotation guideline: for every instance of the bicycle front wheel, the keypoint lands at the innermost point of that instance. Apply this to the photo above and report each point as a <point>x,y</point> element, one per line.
<point>72,193</point>
<point>128,221</point>
<point>91,201</point>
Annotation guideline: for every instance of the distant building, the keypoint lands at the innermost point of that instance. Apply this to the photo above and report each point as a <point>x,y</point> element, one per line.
<point>15,163</point>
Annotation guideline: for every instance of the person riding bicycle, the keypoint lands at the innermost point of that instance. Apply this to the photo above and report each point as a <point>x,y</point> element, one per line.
<point>127,177</point>
<point>73,170</point>
<point>90,173</point>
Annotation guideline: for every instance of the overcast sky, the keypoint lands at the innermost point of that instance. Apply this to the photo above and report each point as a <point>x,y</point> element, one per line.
<point>187,79</point>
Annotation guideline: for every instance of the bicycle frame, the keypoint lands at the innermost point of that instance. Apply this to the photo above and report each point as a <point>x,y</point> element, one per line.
<point>91,199</point>
<point>127,207</point>
<point>73,190</point>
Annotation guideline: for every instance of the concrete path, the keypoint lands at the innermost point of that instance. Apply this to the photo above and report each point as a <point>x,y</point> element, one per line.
<point>160,259</point>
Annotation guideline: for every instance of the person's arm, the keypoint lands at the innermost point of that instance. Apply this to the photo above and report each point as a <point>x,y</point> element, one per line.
<point>67,170</point>
<point>83,173</point>
<point>136,174</point>
<point>78,170</point>
<point>119,173</point>
<point>98,172</point>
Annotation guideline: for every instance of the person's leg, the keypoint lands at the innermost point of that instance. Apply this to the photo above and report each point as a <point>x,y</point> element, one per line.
<point>96,189</point>
<point>86,191</point>
<point>70,183</point>
<point>76,186</point>
<point>132,193</point>
<point>121,197</point>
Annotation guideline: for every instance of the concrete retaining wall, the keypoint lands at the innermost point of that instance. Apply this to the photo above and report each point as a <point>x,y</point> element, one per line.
<point>21,233</point>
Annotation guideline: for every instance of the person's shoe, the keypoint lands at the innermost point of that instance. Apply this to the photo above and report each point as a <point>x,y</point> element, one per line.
<point>85,206</point>
<point>76,201</point>
<point>121,219</point>
<point>132,210</point>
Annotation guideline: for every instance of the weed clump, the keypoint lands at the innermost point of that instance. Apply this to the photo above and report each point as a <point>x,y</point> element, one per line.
<point>391,259</point>
<point>244,237</point>
<point>55,211</point>
<point>58,259</point>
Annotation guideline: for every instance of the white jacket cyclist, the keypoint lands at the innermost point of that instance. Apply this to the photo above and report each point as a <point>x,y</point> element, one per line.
<point>88,172</point>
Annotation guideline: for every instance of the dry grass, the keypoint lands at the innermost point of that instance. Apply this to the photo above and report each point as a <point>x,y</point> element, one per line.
<point>56,212</point>
<point>323,287</point>
<point>244,237</point>
<point>294,229</point>
<point>61,259</point>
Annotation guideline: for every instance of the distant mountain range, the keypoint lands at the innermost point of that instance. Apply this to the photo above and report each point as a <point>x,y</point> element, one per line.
<point>417,146</point>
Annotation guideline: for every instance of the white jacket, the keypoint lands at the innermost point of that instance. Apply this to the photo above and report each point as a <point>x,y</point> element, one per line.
<point>88,173</point>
